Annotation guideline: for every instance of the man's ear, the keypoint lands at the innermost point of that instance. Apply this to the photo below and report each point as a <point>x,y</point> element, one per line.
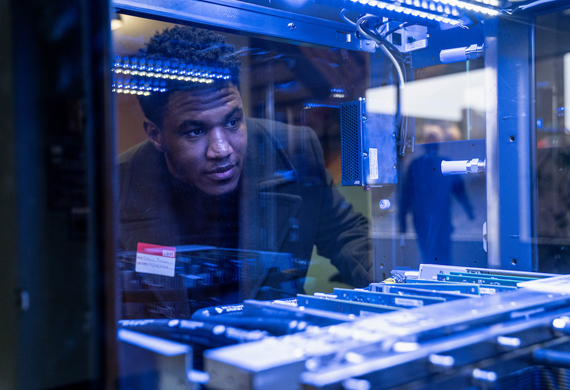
<point>154,134</point>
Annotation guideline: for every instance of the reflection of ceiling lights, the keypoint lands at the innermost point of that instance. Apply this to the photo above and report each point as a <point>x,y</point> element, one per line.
<point>169,70</point>
<point>308,106</point>
<point>337,93</point>
<point>116,22</point>
<point>141,76</point>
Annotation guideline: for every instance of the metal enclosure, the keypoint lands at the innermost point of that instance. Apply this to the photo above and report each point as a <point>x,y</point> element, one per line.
<point>368,142</point>
<point>59,184</point>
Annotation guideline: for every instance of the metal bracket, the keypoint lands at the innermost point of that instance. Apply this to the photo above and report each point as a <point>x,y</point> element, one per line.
<point>240,16</point>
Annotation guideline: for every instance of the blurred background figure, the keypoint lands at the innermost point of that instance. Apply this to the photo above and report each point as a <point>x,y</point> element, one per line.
<point>427,194</point>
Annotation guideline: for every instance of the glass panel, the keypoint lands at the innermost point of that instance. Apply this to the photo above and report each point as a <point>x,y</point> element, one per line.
<point>448,102</point>
<point>225,191</point>
<point>434,218</point>
<point>254,170</point>
<point>553,140</point>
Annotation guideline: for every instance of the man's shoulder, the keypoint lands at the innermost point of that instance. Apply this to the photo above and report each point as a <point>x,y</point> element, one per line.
<point>129,154</point>
<point>140,164</point>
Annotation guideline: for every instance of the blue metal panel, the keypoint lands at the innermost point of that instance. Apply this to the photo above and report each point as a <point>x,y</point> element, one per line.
<point>510,144</point>
<point>236,15</point>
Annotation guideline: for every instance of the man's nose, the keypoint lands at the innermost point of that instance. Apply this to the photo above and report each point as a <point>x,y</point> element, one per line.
<point>219,146</point>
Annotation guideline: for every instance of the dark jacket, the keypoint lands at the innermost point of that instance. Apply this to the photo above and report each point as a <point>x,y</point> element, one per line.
<point>288,202</point>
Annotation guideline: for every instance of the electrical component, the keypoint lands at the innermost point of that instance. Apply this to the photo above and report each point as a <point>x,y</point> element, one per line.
<point>368,146</point>
<point>464,167</point>
<point>460,54</point>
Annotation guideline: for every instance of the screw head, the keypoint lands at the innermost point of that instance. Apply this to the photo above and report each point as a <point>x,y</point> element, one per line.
<point>291,26</point>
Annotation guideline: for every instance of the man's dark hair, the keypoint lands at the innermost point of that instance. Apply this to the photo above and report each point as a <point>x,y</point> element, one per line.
<point>189,45</point>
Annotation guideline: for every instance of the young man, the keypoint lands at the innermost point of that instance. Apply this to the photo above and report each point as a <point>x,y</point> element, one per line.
<point>210,176</point>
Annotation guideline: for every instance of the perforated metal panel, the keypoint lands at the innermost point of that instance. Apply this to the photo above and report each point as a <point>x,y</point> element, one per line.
<point>351,143</point>
<point>536,378</point>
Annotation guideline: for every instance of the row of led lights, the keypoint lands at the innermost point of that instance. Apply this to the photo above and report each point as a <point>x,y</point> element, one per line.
<point>181,71</point>
<point>337,93</point>
<point>434,7</point>
<point>137,87</point>
<point>469,6</point>
<point>494,3</point>
<point>134,89</point>
<point>408,11</point>
<point>140,90</point>
<point>308,106</point>
<point>450,6</point>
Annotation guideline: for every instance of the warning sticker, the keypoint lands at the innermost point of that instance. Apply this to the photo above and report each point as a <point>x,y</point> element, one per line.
<point>155,259</point>
<point>373,158</point>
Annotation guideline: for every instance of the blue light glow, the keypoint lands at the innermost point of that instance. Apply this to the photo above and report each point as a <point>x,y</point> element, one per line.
<point>155,344</point>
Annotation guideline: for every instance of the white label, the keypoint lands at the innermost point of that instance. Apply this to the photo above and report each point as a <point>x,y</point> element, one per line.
<point>373,158</point>
<point>155,259</point>
<point>416,45</point>
<point>408,302</point>
<point>556,284</point>
<point>486,291</point>
<point>364,313</point>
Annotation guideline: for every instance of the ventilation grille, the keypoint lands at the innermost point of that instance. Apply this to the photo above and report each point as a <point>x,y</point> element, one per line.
<point>349,131</point>
<point>536,378</point>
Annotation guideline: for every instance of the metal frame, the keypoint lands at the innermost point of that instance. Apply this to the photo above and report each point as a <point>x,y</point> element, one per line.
<point>510,143</point>
<point>236,15</point>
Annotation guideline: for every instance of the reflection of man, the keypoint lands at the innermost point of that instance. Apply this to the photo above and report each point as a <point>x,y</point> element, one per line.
<point>209,176</point>
<point>428,193</point>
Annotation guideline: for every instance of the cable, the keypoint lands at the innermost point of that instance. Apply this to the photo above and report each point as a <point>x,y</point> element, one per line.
<point>401,26</point>
<point>343,17</point>
<point>396,64</point>
<point>380,42</point>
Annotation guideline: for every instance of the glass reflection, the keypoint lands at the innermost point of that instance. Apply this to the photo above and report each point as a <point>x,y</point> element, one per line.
<point>227,192</point>
<point>427,194</point>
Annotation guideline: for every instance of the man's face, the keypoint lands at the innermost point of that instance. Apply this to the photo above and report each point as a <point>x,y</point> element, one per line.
<point>204,138</point>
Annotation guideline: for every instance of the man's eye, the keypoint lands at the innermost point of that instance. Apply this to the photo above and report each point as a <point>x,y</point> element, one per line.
<point>194,133</point>
<point>233,123</point>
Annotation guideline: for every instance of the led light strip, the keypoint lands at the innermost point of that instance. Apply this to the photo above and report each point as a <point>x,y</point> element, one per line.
<point>433,7</point>
<point>148,70</point>
<point>494,3</point>
<point>133,87</point>
<point>469,7</point>
<point>317,105</point>
<point>408,11</point>
<point>182,72</point>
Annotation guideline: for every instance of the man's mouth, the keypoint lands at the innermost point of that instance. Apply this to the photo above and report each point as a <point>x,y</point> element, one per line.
<point>223,173</point>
